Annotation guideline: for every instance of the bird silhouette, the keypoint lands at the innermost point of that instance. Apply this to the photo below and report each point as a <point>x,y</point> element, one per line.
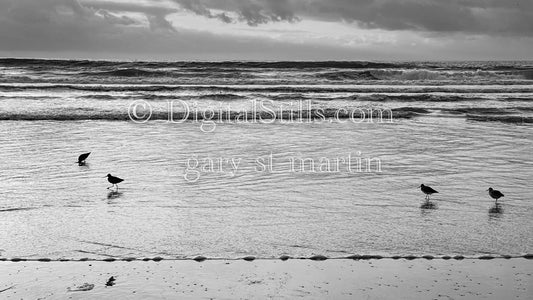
<point>110,281</point>
<point>495,194</point>
<point>427,190</point>
<point>82,158</point>
<point>113,180</point>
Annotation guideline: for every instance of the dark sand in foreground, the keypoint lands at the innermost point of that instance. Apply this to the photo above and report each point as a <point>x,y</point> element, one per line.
<point>332,279</point>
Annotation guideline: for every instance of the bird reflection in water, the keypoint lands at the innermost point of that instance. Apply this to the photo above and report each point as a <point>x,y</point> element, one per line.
<point>496,211</point>
<point>84,166</point>
<point>114,195</point>
<point>427,208</point>
<point>428,205</point>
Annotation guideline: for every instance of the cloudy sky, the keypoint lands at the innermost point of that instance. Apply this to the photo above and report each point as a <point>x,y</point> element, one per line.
<point>267,29</point>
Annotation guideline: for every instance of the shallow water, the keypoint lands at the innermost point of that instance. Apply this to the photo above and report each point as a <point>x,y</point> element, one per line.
<point>233,204</point>
<point>54,208</point>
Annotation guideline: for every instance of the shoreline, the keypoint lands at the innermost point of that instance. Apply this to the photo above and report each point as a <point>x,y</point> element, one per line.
<point>200,258</point>
<point>295,278</point>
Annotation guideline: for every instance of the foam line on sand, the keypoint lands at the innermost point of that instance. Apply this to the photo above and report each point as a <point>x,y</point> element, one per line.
<point>202,258</point>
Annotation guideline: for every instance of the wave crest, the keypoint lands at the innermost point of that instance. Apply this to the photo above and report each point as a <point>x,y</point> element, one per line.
<point>131,72</point>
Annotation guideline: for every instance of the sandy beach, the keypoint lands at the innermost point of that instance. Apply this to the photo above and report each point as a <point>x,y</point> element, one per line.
<point>262,279</point>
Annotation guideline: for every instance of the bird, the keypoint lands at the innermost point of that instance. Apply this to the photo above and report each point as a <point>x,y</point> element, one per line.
<point>82,158</point>
<point>427,190</point>
<point>113,180</point>
<point>495,194</point>
<point>110,281</point>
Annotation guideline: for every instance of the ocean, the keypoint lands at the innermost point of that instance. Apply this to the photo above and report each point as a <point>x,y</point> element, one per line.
<point>229,159</point>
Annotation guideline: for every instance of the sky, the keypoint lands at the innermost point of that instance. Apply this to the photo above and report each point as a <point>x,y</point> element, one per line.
<point>268,29</point>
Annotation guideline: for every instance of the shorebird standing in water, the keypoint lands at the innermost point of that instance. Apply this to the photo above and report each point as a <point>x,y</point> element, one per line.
<point>113,180</point>
<point>427,190</point>
<point>82,158</point>
<point>495,194</point>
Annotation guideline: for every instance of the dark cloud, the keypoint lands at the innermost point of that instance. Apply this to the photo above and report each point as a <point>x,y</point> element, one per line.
<point>478,17</point>
<point>96,28</point>
<point>509,17</point>
<point>468,16</point>
<point>128,7</point>
<point>156,15</point>
<point>113,19</point>
<point>52,28</point>
<point>158,22</point>
<point>68,16</point>
<point>199,9</point>
<point>253,12</point>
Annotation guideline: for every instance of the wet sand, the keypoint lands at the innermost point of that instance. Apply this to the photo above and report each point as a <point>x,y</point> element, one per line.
<point>260,279</point>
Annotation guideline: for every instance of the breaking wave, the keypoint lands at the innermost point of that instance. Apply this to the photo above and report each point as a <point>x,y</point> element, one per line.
<point>131,72</point>
<point>79,89</point>
<point>503,119</point>
<point>272,89</point>
<point>506,115</point>
<point>326,113</point>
